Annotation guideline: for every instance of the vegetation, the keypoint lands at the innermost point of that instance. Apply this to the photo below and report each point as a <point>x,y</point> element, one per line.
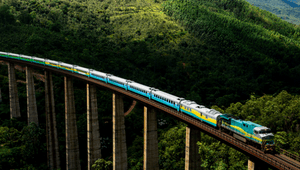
<point>22,148</point>
<point>285,9</point>
<point>214,52</point>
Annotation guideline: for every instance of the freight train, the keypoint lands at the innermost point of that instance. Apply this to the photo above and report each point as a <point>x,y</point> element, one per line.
<point>246,131</point>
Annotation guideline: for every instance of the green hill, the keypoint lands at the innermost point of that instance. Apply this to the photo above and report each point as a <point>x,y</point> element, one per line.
<point>215,52</point>
<point>280,9</point>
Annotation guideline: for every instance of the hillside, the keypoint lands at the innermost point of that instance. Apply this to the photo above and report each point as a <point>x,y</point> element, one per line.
<point>288,10</point>
<point>215,52</point>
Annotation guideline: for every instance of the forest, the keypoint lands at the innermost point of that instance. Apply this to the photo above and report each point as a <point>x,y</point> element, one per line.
<point>287,10</point>
<point>225,54</point>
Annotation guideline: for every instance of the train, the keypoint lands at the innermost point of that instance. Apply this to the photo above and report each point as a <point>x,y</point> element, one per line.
<point>249,132</point>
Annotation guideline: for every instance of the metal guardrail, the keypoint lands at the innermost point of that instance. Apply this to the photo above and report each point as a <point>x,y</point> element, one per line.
<point>247,149</point>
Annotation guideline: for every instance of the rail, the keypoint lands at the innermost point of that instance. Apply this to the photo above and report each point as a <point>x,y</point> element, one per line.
<point>288,154</point>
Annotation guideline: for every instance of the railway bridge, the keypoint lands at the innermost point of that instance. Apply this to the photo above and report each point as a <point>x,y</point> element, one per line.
<point>258,159</point>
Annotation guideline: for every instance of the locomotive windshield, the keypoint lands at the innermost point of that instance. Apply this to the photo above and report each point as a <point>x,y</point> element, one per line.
<point>264,131</point>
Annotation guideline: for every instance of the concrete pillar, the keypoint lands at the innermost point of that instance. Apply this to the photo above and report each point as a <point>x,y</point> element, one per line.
<point>119,136</point>
<point>32,114</point>
<point>150,139</point>
<point>256,164</point>
<point>72,146</point>
<point>0,96</point>
<point>51,131</point>
<point>251,165</point>
<point>93,134</point>
<point>192,156</point>
<point>13,92</point>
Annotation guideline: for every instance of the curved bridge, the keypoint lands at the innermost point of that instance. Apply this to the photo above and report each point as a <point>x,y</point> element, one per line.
<point>258,158</point>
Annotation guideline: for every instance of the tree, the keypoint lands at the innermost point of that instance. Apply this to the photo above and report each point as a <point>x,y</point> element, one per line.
<point>172,148</point>
<point>5,16</point>
<point>102,164</point>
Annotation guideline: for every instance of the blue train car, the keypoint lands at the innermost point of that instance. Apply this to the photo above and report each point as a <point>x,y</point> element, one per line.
<point>166,98</point>
<point>139,88</point>
<point>117,81</point>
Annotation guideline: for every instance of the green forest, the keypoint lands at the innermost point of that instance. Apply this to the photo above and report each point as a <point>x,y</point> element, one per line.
<point>280,8</point>
<point>225,54</point>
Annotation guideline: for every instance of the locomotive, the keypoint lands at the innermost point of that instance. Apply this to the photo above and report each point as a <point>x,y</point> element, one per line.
<point>246,131</point>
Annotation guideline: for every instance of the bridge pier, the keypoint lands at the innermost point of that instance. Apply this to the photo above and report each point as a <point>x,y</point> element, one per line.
<point>32,114</point>
<point>192,156</point>
<point>256,164</point>
<point>93,134</point>
<point>119,136</point>
<point>72,145</point>
<point>150,139</point>
<point>0,96</point>
<point>51,131</point>
<point>13,92</point>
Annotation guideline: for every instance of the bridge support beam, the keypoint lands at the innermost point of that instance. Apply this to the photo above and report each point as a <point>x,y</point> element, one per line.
<point>51,131</point>
<point>150,139</point>
<point>192,156</point>
<point>72,146</point>
<point>119,136</point>
<point>93,134</point>
<point>13,92</point>
<point>32,114</point>
<point>0,96</point>
<point>256,164</point>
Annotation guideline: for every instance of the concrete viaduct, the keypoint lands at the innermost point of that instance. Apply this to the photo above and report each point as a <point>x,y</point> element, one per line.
<point>192,159</point>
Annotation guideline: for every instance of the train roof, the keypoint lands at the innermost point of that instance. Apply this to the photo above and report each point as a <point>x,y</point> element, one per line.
<point>252,123</point>
<point>12,54</point>
<point>138,85</point>
<point>24,56</point>
<point>192,104</point>
<point>98,73</point>
<point>116,78</point>
<point>247,122</point>
<point>228,115</point>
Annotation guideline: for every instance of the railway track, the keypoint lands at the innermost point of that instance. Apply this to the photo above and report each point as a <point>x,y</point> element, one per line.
<point>295,163</point>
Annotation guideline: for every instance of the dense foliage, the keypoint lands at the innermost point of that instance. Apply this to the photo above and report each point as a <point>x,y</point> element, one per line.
<point>21,149</point>
<point>215,52</point>
<point>287,10</point>
<point>281,113</point>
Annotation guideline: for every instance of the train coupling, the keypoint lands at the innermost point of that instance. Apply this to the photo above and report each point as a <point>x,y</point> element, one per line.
<point>270,148</point>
